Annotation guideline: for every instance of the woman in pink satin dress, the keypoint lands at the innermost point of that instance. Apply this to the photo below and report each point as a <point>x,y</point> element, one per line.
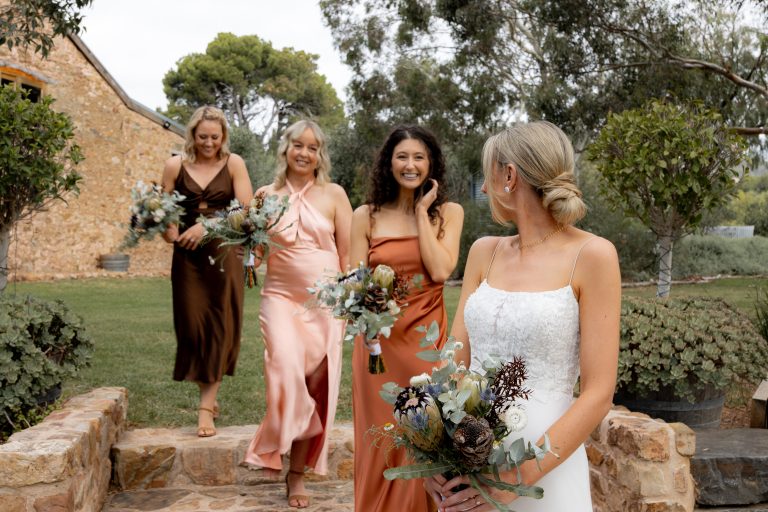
<point>302,357</point>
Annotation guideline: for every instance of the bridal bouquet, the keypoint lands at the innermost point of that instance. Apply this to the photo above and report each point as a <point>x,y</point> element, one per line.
<point>247,226</point>
<point>459,422</point>
<point>152,211</point>
<point>369,300</point>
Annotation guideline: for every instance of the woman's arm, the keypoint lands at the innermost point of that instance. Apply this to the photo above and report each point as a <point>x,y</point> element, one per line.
<point>598,284</point>
<point>240,179</point>
<point>168,182</point>
<point>439,255</point>
<point>360,236</point>
<point>342,220</point>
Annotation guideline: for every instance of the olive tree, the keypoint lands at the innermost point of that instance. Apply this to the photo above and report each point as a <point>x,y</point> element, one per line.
<point>667,164</point>
<point>37,159</point>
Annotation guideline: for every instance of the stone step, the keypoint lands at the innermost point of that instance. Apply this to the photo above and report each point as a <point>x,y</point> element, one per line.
<point>761,507</point>
<point>730,467</point>
<point>169,458</point>
<point>326,496</point>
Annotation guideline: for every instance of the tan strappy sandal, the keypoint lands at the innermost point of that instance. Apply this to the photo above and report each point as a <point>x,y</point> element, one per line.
<point>206,431</point>
<point>295,498</point>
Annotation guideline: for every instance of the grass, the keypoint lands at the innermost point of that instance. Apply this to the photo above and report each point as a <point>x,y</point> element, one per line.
<point>131,322</point>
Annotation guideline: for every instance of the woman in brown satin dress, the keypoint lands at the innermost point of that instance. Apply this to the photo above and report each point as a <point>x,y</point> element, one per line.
<point>408,225</point>
<point>207,303</point>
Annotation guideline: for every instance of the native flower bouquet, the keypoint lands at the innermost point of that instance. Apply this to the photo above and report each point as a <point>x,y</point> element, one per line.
<point>369,300</point>
<point>459,422</point>
<point>152,211</point>
<point>247,226</point>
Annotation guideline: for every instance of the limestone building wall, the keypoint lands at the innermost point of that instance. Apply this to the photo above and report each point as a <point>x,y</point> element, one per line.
<point>121,145</point>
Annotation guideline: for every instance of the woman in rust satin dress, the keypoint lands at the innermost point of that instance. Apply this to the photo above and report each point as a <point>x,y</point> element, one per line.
<point>302,360</point>
<point>207,303</point>
<point>408,225</point>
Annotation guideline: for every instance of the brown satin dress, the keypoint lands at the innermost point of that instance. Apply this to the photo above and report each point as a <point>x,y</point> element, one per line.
<point>207,303</point>
<point>373,493</point>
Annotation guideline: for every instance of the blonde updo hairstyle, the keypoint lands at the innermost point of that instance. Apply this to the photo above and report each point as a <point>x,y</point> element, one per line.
<point>293,132</point>
<point>205,113</point>
<point>543,157</point>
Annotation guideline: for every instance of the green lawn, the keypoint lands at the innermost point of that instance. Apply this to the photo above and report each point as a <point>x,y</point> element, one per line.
<point>131,323</point>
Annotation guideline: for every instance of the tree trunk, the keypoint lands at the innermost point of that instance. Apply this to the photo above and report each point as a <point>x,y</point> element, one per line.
<point>5,242</point>
<point>665,266</point>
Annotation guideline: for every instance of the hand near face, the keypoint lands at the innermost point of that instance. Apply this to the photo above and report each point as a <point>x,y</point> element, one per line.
<point>427,199</point>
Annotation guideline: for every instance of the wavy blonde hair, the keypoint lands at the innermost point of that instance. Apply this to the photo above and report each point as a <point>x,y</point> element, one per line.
<point>206,113</point>
<point>293,132</point>
<point>543,156</point>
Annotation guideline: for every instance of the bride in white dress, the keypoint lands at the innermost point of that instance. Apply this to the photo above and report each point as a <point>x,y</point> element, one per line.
<point>551,294</point>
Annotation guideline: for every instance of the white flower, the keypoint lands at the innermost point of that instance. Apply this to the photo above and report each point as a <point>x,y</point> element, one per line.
<point>515,418</point>
<point>458,345</point>
<point>449,354</point>
<point>420,380</point>
<point>393,308</point>
<point>158,214</point>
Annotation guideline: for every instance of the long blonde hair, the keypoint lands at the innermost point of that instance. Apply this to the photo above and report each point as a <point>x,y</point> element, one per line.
<point>205,113</point>
<point>293,132</point>
<point>543,156</point>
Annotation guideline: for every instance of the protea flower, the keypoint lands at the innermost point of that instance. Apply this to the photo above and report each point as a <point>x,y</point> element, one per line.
<point>419,417</point>
<point>476,384</point>
<point>384,276</point>
<point>473,438</point>
<point>235,217</point>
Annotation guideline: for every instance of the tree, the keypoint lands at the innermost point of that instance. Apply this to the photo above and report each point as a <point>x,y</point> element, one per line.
<point>37,159</point>
<point>257,86</point>
<point>666,165</point>
<point>574,61</point>
<point>35,23</point>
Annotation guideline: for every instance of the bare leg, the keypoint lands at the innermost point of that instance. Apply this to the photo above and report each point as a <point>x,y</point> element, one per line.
<point>208,392</point>
<point>316,384</point>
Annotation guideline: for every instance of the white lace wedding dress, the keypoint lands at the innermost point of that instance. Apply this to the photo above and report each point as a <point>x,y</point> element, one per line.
<point>542,327</point>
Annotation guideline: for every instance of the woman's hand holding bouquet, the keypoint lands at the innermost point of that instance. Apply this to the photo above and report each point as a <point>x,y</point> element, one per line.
<point>456,422</point>
<point>370,301</point>
<point>247,227</point>
<point>152,212</point>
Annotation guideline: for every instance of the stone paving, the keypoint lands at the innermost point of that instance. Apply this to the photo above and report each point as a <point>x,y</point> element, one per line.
<point>327,496</point>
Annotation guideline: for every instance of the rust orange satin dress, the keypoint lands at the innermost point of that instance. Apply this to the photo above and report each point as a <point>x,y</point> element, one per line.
<point>374,493</point>
<point>297,339</point>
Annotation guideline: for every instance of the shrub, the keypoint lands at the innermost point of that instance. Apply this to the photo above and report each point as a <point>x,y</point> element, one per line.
<point>761,313</point>
<point>41,344</point>
<point>709,255</point>
<point>477,224</point>
<point>686,344</point>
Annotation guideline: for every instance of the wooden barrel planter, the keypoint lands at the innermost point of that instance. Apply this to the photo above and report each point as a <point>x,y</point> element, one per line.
<point>116,262</point>
<point>704,412</point>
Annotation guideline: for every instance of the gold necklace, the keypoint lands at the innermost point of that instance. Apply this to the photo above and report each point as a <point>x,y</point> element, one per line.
<point>522,246</point>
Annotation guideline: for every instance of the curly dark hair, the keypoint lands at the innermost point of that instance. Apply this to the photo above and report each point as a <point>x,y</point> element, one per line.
<point>384,189</point>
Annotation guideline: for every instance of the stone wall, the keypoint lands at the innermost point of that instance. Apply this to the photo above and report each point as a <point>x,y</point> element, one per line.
<point>120,146</point>
<point>63,463</point>
<point>152,458</point>
<point>638,464</point>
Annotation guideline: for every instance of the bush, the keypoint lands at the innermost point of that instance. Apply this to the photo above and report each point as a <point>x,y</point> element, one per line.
<point>477,224</point>
<point>41,344</point>
<point>761,313</point>
<point>686,344</point>
<point>709,255</point>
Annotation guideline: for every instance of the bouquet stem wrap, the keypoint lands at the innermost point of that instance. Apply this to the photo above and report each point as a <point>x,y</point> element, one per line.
<point>375,360</point>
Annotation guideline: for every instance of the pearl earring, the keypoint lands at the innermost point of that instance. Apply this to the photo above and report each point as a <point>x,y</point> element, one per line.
<point>506,189</point>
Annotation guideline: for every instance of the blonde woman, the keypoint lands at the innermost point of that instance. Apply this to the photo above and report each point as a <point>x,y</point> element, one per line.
<point>551,294</point>
<point>302,357</point>
<point>207,303</point>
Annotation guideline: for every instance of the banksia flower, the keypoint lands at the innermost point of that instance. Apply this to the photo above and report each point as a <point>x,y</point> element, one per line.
<point>247,226</point>
<point>473,438</point>
<point>419,418</point>
<point>375,299</point>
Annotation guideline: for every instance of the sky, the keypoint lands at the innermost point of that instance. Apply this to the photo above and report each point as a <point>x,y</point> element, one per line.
<point>139,41</point>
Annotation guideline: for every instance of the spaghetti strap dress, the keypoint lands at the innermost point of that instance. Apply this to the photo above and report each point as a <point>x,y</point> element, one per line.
<point>297,339</point>
<point>373,493</point>
<point>207,302</point>
<point>543,328</point>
